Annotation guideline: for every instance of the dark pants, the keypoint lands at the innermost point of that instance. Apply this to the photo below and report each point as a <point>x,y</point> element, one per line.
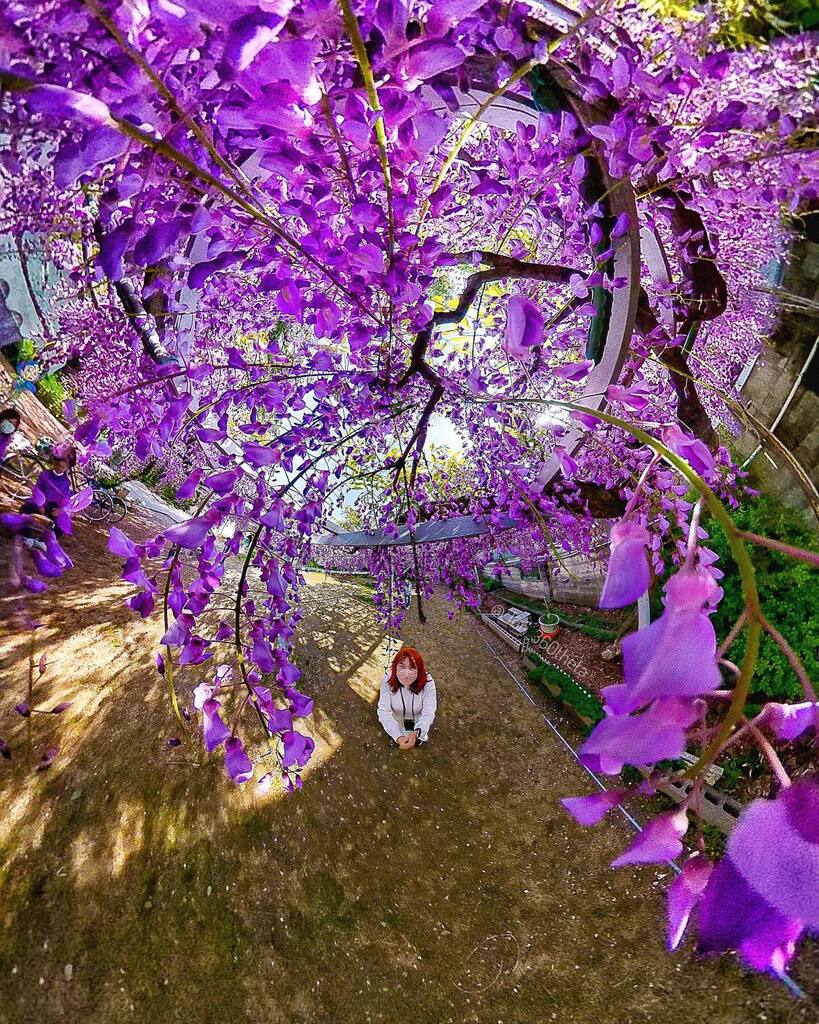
<point>32,509</point>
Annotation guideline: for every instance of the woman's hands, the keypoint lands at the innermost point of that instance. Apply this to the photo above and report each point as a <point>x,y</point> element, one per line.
<point>407,742</point>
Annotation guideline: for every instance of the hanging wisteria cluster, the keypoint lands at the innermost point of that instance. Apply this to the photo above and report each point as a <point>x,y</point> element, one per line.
<point>295,235</point>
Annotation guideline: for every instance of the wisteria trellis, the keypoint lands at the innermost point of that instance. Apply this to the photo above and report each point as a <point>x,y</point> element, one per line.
<point>255,204</point>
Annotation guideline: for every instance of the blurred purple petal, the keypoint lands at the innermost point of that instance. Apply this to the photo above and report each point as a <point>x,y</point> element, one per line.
<point>573,371</point>
<point>60,102</point>
<point>237,764</point>
<point>524,326</point>
<point>47,758</point>
<point>191,533</point>
<point>659,840</point>
<point>297,749</point>
<point>654,735</point>
<point>732,916</point>
<point>694,451</point>
<point>588,810</point>
<point>214,730</point>
<point>683,895</point>
<point>629,573</point>
<point>121,545</point>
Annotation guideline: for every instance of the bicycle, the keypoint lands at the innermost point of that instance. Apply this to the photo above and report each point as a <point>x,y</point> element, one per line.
<point>19,471</point>
<point>105,505</point>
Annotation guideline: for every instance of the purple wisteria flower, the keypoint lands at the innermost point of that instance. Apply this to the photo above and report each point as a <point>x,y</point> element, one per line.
<point>297,749</point>
<point>237,764</point>
<point>658,841</point>
<point>689,448</point>
<point>524,326</point>
<point>674,656</point>
<point>765,892</point>
<point>790,721</point>
<point>48,758</point>
<point>683,895</point>
<point>573,371</point>
<point>214,730</point>
<point>588,810</point>
<point>655,734</point>
<point>629,572</point>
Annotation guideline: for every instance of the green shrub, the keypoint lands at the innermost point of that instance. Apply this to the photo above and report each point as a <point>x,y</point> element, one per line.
<point>52,394</point>
<point>26,350</point>
<point>788,590</point>
<point>573,693</point>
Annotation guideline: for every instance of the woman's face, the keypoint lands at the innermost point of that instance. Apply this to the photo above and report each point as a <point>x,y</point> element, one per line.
<point>61,466</point>
<point>407,672</point>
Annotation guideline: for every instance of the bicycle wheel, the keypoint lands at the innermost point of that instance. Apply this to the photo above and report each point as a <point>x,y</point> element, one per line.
<point>101,507</point>
<point>18,472</point>
<point>119,511</point>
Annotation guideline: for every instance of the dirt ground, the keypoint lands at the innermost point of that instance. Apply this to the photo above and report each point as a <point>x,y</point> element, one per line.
<point>440,885</point>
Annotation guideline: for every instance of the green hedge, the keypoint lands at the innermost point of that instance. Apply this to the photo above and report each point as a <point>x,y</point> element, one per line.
<point>573,693</point>
<point>789,592</point>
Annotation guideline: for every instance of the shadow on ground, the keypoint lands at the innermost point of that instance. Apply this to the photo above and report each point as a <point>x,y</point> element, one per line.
<point>440,885</point>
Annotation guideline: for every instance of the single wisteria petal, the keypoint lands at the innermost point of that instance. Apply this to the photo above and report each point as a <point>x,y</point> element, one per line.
<point>188,487</point>
<point>121,545</point>
<point>694,451</point>
<point>588,810</point>
<point>524,326</point>
<point>568,465</point>
<point>653,735</point>
<point>237,764</point>
<point>250,33</point>
<point>297,749</point>
<point>66,103</point>
<point>775,847</point>
<point>300,705</point>
<point>790,721</point>
<point>732,915</point>
<point>214,730</point>
<point>629,572</point>
<point>658,841</point>
<point>573,371</point>
<point>203,692</point>
<point>191,533</point>
<point>265,783</point>
<point>683,895</point>
<point>23,709</point>
<point>262,655</point>
<point>635,398</point>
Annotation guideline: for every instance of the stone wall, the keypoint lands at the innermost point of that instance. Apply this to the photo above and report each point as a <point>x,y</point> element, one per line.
<point>775,372</point>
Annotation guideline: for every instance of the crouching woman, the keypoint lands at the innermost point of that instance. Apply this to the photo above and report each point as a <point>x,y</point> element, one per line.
<point>408,701</point>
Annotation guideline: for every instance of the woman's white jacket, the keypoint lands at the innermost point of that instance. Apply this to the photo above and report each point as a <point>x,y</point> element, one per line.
<point>393,708</point>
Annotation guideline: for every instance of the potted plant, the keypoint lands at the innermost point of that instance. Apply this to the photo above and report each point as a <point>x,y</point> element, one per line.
<point>549,625</point>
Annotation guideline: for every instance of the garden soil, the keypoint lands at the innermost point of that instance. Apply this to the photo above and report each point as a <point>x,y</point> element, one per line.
<point>440,885</point>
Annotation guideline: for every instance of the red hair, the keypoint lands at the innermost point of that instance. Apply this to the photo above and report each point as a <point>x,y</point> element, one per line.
<point>410,654</point>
